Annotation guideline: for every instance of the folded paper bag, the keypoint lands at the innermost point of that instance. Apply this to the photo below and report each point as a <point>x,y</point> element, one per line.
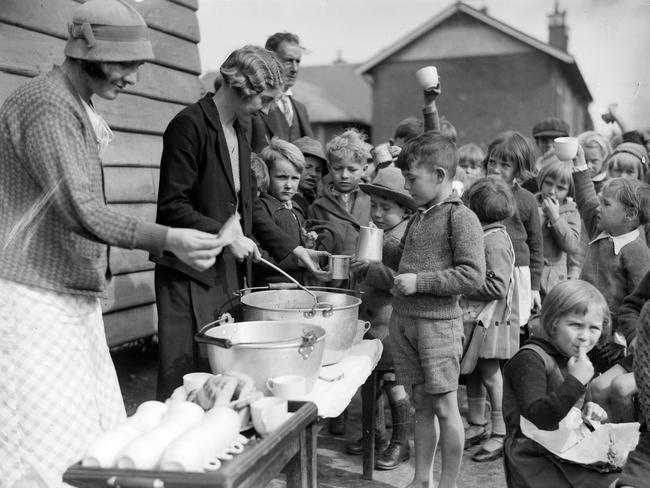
<point>605,448</point>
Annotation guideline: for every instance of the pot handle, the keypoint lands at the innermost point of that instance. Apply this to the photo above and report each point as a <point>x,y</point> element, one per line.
<point>307,345</point>
<point>326,308</point>
<point>201,337</point>
<point>282,286</point>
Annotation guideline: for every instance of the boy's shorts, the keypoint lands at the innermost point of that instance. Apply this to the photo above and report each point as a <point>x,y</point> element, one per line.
<point>427,351</point>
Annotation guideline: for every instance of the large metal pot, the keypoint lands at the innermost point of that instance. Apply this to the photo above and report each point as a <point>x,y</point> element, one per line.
<point>337,311</point>
<point>264,349</point>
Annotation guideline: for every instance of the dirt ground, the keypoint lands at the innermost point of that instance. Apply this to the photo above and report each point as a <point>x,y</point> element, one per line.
<point>136,367</point>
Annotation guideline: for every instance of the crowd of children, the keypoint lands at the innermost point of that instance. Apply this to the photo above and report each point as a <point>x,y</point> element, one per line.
<point>521,275</point>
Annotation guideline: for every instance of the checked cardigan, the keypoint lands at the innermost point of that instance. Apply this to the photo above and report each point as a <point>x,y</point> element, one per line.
<point>54,222</point>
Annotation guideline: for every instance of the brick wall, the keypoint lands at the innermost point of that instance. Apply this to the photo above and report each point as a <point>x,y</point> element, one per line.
<point>482,96</point>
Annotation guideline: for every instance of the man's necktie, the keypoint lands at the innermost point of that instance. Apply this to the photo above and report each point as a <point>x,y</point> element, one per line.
<point>287,109</point>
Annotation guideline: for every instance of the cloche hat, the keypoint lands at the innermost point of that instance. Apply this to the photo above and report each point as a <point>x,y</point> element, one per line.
<point>636,150</point>
<point>108,31</point>
<point>389,183</point>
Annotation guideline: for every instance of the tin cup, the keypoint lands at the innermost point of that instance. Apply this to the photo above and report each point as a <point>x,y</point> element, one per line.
<point>381,155</point>
<point>371,244</point>
<point>339,266</point>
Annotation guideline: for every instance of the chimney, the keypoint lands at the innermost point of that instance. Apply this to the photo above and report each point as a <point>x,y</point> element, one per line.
<point>558,32</point>
<point>339,57</point>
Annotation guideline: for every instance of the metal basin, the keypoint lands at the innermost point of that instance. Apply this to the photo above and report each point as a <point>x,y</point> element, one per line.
<point>337,311</point>
<point>272,349</point>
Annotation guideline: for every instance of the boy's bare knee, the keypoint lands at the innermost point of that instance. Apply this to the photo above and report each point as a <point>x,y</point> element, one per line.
<point>421,399</point>
<point>599,390</point>
<point>445,404</point>
<point>623,386</point>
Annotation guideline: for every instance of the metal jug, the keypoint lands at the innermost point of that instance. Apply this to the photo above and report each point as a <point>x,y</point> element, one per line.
<point>371,242</point>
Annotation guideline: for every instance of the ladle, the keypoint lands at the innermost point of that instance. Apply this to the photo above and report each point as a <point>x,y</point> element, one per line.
<point>287,275</point>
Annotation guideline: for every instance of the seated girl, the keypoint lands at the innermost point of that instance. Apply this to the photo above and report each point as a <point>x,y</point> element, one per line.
<point>546,378</point>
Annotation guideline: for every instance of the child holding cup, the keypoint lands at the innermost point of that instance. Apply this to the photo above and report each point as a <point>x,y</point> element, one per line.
<point>617,257</point>
<point>596,150</point>
<point>342,207</point>
<point>391,206</point>
<point>285,164</point>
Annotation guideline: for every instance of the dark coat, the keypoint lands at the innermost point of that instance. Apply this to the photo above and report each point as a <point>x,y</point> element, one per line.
<point>291,221</point>
<point>197,189</point>
<point>338,229</point>
<point>265,126</point>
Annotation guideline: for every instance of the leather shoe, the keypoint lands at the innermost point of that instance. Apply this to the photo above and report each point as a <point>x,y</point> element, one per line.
<point>356,447</point>
<point>395,454</point>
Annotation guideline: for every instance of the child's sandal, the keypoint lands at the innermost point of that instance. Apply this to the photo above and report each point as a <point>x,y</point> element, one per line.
<point>492,449</point>
<point>475,434</point>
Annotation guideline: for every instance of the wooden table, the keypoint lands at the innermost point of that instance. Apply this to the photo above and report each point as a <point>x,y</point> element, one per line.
<point>290,449</point>
<point>368,421</point>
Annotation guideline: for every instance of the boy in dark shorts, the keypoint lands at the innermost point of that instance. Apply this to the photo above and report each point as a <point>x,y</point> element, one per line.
<point>440,257</point>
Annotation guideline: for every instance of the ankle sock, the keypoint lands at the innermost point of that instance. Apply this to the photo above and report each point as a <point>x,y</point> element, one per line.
<point>476,410</point>
<point>498,424</point>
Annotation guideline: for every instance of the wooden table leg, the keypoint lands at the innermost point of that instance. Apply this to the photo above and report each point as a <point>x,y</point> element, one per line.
<point>368,407</point>
<point>296,469</point>
<point>311,440</point>
<point>301,470</point>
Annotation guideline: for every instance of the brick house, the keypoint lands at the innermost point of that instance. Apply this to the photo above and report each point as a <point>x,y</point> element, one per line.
<point>494,77</point>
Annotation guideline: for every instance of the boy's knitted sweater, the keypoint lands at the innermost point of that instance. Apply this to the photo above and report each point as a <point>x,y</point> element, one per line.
<point>615,275</point>
<point>443,246</point>
<point>525,232</point>
<point>642,363</point>
<point>630,309</point>
<point>51,172</point>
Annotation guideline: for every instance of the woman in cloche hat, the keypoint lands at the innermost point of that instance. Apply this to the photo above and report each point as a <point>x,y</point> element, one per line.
<point>58,387</point>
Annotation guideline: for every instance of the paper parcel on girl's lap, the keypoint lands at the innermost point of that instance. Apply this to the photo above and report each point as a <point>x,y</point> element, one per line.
<point>608,445</point>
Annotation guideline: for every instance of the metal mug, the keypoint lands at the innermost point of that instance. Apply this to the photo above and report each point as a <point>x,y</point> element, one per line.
<point>339,266</point>
<point>371,244</point>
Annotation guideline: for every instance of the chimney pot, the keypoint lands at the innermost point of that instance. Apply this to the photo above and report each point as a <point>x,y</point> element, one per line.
<point>558,32</point>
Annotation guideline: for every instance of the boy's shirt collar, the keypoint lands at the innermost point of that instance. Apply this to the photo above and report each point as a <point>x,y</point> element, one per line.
<point>453,197</point>
<point>345,199</point>
<point>600,177</point>
<point>619,241</point>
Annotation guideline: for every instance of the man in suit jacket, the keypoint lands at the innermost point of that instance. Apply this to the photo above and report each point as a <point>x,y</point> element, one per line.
<point>287,118</point>
<point>205,177</point>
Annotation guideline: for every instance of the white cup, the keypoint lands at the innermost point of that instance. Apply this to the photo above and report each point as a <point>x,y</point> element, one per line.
<point>290,387</point>
<point>565,148</point>
<point>268,414</point>
<point>427,77</point>
<point>192,381</point>
<point>362,328</point>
